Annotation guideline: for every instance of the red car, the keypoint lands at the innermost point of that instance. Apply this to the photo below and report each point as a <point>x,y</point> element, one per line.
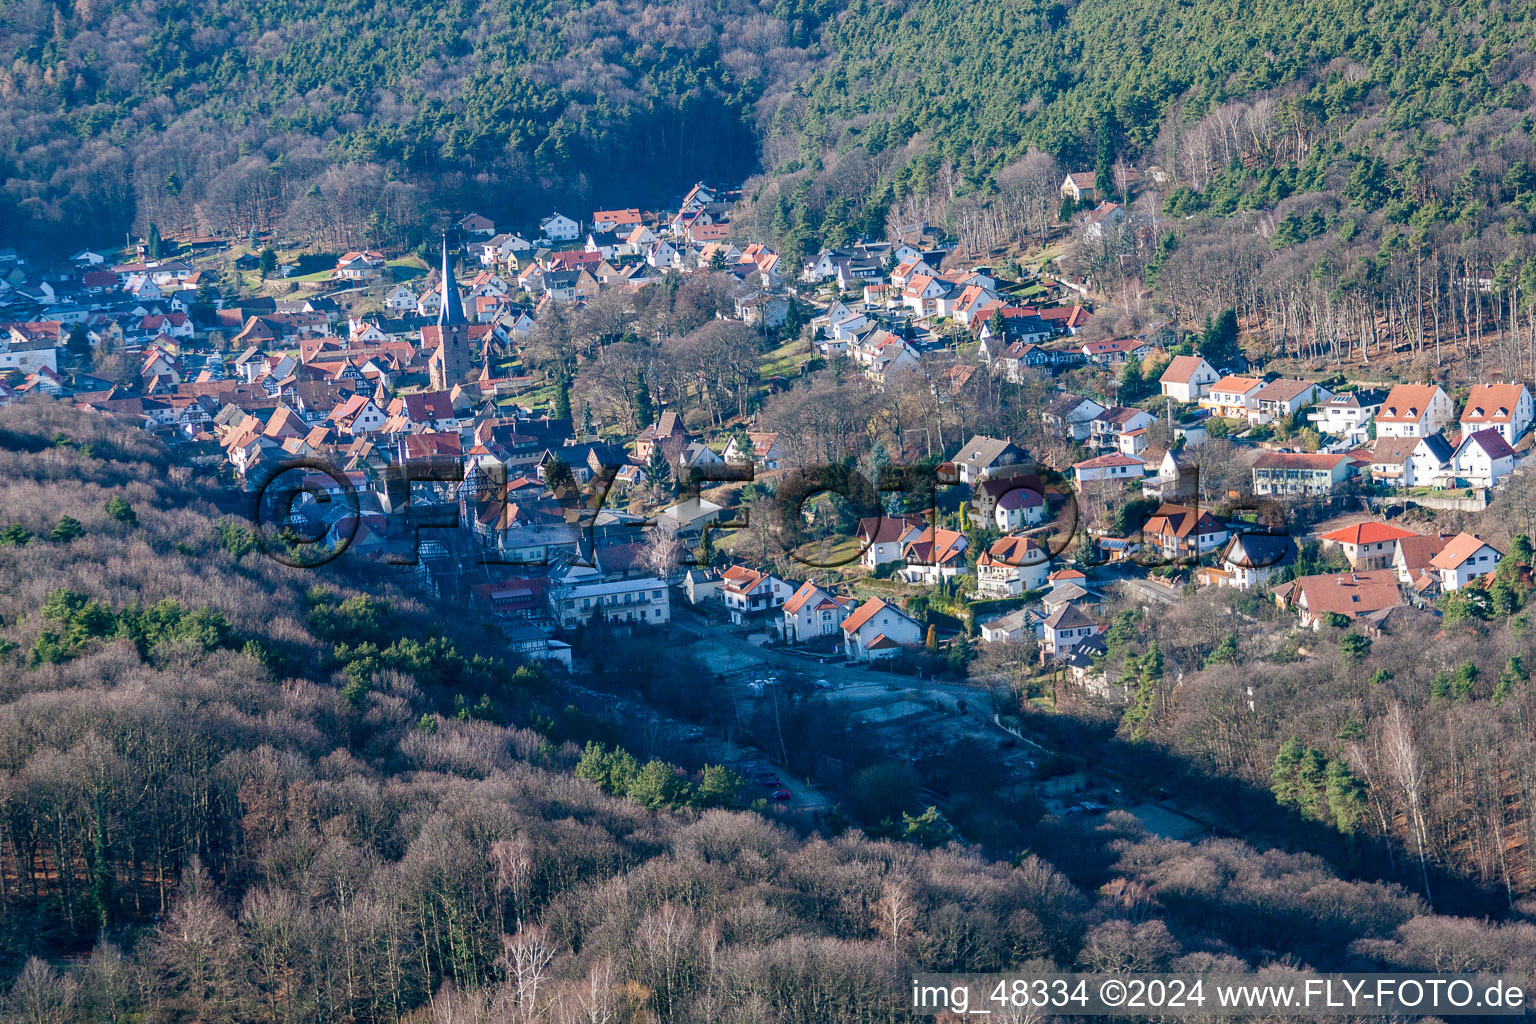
<point>781,794</point>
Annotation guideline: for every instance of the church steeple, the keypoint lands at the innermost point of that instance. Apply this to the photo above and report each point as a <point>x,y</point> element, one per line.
<point>452,310</point>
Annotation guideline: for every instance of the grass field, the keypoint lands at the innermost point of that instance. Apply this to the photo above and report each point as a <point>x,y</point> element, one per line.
<point>786,360</point>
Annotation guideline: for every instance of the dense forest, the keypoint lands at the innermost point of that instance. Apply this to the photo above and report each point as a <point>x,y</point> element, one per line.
<point>237,791</point>
<point>341,123</point>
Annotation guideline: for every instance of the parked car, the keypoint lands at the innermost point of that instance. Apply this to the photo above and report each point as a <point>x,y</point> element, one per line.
<point>781,794</point>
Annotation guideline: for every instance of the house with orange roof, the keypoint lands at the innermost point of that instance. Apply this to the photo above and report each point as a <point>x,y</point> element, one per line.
<point>1301,473</point>
<point>1507,408</point>
<point>1286,397</point>
<point>359,266</point>
<point>934,555</point>
<point>1183,531</point>
<point>1233,397</point>
<point>1464,558</point>
<point>1413,555</point>
<point>610,220</point>
<point>1350,594</point>
<point>1011,566</point>
<point>1114,466</point>
<point>748,592</point>
<point>811,613</point>
<point>1414,410</point>
<point>1187,378</point>
<point>877,630</point>
<point>1368,545</point>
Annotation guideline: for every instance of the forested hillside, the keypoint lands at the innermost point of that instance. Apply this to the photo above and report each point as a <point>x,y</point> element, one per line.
<point>356,121</point>
<point>335,120</point>
<point>228,789</point>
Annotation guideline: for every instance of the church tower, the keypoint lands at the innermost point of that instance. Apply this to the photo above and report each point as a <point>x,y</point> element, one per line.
<point>449,339</point>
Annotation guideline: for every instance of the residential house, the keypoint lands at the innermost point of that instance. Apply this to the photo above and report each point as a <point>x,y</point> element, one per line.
<point>1250,559</point>
<point>1411,561</point>
<point>1078,186</point>
<point>559,228</point>
<point>1012,566</point>
<point>1233,397</point>
<point>1184,532</point>
<point>1368,545</point>
<point>610,220</point>
<point>1011,502</point>
<point>1483,458</point>
<point>477,226</point>
<point>1187,378</point>
<point>1392,460</point>
<point>643,599</point>
<point>359,266</point>
<point>401,299</point>
<point>984,456</point>
<point>1348,415</point>
<point>1414,410</point>
<point>1506,408</point>
<point>812,613</point>
<point>1464,558</point>
<point>748,593</point>
<point>885,539</point>
<point>1285,397</point>
<point>1115,351</point>
<point>877,630</point>
<point>1431,462</point>
<point>1350,594</point>
<point>934,555</point>
<point>766,452</point>
<point>1114,466</point>
<point>1016,626</point>
<point>1109,427</point>
<point>1064,629</point>
<point>1300,473</point>
<point>666,434</point>
<point>1071,417</point>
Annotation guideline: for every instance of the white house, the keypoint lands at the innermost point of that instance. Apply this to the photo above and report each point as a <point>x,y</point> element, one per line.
<point>560,228</point>
<point>765,453</point>
<point>1463,560</point>
<point>1011,566</point>
<point>812,612</point>
<point>934,555</point>
<point>1506,408</point>
<point>1414,410</point>
<point>886,538</point>
<point>1114,466</point>
<point>1187,378</point>
<point>1250,559</point>
<point>1483,458</point>
<point>1430,464</point>
<point>983,455</point>
<point>748,592</point>
<point>1286,397</point>
<point>878,630</point>
<point>1071,416</point>
<point>1233,397</point>
<point>401,299</point>
<point>1066,627</point>
<point>643,599</point>
<point>1348,415</point>
<point>1018,507</point>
